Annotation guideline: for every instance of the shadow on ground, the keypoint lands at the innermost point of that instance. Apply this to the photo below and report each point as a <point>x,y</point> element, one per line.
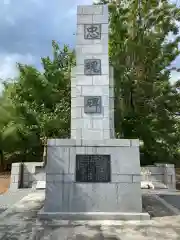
<point>154,207</point>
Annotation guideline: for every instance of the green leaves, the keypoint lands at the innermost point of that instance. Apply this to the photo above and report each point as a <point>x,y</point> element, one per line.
<point>37,105</point>
<point>146,103</point>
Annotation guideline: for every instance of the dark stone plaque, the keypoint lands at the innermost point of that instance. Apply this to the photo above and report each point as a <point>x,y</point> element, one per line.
<point>92,67</point>
<point>92,31</point>
<point>93,168</point>
<point>92,104</point>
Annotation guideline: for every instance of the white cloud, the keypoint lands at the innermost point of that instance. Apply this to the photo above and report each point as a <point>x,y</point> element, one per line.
<point>8,64</point>
<point>8,69</point>
<point>174,76</point>
<point>28,27</point>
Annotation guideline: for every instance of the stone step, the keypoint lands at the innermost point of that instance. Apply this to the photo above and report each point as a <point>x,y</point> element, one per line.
<point>73,216</point>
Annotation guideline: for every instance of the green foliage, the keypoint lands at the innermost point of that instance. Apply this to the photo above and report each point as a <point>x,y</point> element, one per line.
<point>37,106</point>
<point>146,103</point>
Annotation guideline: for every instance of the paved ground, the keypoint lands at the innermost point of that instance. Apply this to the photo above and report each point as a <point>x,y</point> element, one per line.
<point>19,222</point>
<point>112,230</point>
<point>172,199</point>
<point>10,198</point>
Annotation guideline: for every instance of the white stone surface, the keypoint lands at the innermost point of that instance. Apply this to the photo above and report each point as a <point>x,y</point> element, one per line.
<point>84,80</point>
<point>100,80</point>
<point>15,176</point>
<point>77,102</point>
<point>100,19</point>
<point>82,123</point>
<point>76,112</point>
<point>84,19</point>
<point>104,60</point>
<point>100,123</point>
<point>90,49</point>
<point>41,185</point>
<point>135,142</point>
<point>90,10</point>
<point>147,185</point>
<point>76,91</point>
<point>95,90</point>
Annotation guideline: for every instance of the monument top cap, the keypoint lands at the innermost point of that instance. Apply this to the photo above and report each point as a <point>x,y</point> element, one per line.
<point>92,9</point>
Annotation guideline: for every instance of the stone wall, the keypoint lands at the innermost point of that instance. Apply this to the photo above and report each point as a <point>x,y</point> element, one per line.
<point>33,172</point>
<point>28,176</point>
<point>159,174</point>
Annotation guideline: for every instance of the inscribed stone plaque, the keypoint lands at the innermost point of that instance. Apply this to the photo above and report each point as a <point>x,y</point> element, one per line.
<point>92,67</point>
<point>93,168</point>
<point>92,104</point>
<point>92,31</point>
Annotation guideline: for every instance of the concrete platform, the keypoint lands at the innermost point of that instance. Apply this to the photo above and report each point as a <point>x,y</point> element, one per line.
<point>75,216</point>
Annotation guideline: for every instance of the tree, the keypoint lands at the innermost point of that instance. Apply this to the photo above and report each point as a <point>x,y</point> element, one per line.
<point>41,104</point>
<point>9,125</point>
<point>146,103</point>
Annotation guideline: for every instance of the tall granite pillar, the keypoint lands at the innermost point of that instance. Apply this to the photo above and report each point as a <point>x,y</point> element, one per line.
<point>93,175</point>
<point>92,94</point>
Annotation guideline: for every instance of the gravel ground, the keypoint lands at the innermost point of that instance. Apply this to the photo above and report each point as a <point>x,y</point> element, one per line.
<point>20,222</point>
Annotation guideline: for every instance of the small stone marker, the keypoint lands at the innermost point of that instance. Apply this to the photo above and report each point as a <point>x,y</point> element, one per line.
<point>92,31</point>
<point>92,67</point>
<point>92,104</point>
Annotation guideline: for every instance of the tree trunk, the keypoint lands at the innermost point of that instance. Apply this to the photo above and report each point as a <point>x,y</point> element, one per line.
<point>1,160</point>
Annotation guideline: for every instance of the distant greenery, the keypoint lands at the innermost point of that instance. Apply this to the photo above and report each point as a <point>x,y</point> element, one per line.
<point>146,103</point>
<point>36,106</point>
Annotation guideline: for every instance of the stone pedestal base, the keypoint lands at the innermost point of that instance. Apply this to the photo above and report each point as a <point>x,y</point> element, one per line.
<point>119,197</point>
<point>81,216</point>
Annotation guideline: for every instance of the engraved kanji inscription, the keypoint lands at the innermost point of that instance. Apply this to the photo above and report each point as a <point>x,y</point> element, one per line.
<point>92,31</point>
<point>93,168</point>
<point>92,104</point>
<point>92,67</point>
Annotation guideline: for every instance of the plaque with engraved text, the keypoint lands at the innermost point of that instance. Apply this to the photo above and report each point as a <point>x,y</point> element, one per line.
<point>92,31</point>
<point>93,168</point>
<point>92,104</point>
<point>92,67</point>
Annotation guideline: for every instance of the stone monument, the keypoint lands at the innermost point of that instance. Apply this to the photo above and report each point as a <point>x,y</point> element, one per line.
<point>92,175</point>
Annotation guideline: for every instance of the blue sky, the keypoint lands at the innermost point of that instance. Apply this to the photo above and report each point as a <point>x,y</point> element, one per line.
<point>27,28</point>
